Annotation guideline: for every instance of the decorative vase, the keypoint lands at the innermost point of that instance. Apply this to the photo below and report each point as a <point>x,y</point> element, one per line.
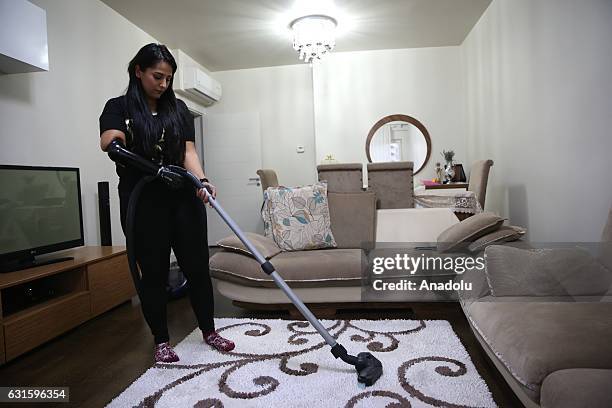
<point>449,172</point>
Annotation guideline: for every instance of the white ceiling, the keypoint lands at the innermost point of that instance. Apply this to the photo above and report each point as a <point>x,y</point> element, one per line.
<point>235,34</point>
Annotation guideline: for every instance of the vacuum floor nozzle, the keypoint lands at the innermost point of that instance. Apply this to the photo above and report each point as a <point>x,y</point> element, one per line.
<point>369,368</point>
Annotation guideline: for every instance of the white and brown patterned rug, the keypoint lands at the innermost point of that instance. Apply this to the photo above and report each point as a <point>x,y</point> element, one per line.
<point>283,363</point>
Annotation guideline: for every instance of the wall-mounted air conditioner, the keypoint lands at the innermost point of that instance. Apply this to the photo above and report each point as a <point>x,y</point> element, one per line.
<point>201,86</point>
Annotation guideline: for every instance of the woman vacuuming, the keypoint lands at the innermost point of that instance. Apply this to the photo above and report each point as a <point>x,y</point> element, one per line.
<point>152,123</point>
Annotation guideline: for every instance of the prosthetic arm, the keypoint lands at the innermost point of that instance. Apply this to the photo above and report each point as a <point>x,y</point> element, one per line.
<point>119,154</point>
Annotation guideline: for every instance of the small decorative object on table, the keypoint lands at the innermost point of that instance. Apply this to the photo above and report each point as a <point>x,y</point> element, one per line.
<point>459,173</point>
<point>449,171</point>
<point>329,159</point>
<point>428,183</point>
<point>439,173</point>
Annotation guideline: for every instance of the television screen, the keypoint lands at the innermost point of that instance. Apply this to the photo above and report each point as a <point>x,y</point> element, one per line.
<point>40,209</point>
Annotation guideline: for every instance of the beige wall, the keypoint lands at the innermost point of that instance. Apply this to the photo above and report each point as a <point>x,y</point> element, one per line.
<point>353,90</point>
<point>283,97</point>
<point>51,118</point>
<point>539,99</point>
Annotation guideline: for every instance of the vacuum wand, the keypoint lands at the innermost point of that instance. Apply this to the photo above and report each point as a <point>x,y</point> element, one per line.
<point>368,367</point>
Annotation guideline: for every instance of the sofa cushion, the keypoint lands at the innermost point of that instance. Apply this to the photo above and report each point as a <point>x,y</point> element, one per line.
<point>352,218</point>
<point>326,267</point>
<point>535,339</point>
<point>299,217</point>
<point>577,388</point>
<point>468,230</point>
<point>265,245</point>
<point>505,233</point>
<point>545,272</point>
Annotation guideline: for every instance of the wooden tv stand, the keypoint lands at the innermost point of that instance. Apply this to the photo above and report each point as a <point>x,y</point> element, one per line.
<point>43,302</point>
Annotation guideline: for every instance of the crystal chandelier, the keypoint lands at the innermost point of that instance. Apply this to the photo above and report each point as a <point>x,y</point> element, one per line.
<point>313,36</point>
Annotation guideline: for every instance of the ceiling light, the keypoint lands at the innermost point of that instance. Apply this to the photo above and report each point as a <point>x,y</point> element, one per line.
<point>314,35</point>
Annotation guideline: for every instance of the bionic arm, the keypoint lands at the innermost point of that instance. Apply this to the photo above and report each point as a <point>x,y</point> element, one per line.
<point>119,154</point>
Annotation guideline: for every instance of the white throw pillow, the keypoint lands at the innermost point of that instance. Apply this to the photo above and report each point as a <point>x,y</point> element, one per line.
<point>297,218</point>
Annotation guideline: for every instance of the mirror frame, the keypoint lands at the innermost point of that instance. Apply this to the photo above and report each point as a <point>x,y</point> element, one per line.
<point>402,118</point>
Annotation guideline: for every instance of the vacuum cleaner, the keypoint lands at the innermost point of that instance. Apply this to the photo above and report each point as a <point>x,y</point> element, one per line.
<point>369,368</point>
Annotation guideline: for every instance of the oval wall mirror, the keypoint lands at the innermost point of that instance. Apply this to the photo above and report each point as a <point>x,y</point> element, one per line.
<point>399,138</point>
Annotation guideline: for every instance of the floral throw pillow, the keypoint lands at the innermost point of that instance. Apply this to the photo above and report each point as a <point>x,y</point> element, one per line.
<point>297,218</point>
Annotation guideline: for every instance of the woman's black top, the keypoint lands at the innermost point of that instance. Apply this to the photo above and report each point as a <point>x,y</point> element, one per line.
<point>115,115</point>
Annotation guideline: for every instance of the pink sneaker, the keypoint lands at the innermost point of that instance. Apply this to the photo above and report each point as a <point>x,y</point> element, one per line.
<point>165,354</point>
<point>214,339</point>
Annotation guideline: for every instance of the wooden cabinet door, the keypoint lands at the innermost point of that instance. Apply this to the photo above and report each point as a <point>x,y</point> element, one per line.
<point>32,328</point>
<point>110,283</point>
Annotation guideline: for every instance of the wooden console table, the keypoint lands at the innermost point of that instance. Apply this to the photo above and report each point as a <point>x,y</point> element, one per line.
<point>40,303</point>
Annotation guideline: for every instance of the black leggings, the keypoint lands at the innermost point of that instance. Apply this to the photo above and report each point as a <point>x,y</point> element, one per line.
<point>170,219</point>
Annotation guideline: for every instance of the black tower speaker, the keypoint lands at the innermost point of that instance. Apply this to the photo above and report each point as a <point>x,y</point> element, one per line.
<point>106,238</point>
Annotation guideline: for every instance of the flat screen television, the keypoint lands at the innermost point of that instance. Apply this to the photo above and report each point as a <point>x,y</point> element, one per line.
<point>40,213</point>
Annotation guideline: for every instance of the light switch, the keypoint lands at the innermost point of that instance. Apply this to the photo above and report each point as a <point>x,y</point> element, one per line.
<point>300,149</point>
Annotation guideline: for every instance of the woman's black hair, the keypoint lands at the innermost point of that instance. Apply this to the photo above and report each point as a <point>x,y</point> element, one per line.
<point>170,115</point>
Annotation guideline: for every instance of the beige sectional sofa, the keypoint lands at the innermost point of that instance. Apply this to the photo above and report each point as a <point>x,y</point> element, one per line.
<point>542,346</point>
<point>554,349</point>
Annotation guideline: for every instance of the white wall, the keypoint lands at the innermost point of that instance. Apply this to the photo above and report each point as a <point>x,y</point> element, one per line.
<point>354,90</point>
<point>351,92</point>
<point>283,98</point>
<point>51,118</point>
<point>539,98</point>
